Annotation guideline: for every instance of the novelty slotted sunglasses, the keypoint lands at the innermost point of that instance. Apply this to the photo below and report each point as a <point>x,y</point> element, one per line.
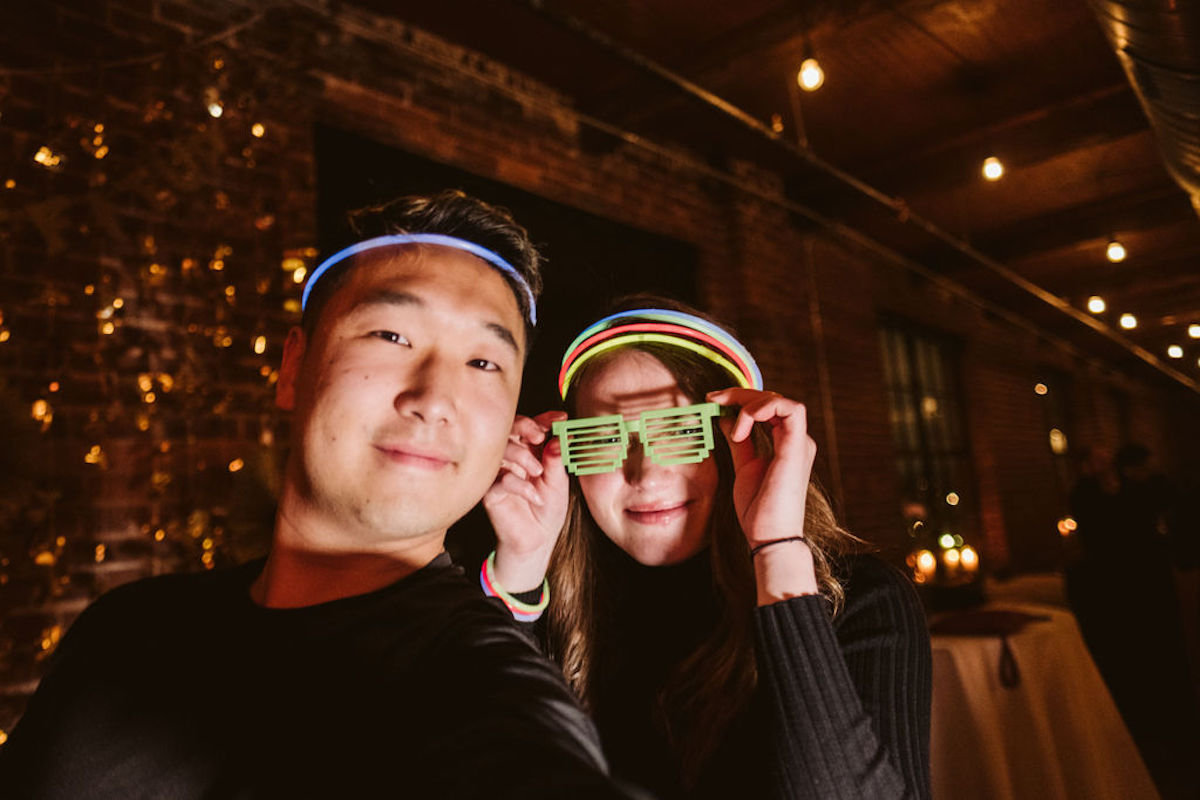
<point>594,445</point>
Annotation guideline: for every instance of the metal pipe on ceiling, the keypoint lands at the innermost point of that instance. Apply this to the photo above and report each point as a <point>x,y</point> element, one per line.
<point>1158,45</point>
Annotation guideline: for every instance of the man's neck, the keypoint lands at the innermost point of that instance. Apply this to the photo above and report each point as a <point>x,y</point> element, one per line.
<point>299,573</point>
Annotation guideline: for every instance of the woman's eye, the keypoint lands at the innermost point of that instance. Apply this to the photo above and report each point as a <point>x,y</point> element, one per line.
<point>484,364</point>
<point>391,336</point>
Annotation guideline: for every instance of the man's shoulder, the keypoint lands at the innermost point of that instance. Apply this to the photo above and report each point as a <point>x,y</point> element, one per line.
<point>167,595</point>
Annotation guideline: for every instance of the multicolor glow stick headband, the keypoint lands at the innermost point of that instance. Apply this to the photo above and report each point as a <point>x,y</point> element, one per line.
<point>423,238</point>
<point>661,326</point>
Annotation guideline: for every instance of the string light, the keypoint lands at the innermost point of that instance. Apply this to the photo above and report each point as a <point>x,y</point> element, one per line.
<point>810,77</point>
<point>1194,331</point>
<point>212,101</point>
<point>993,170</point>
<point>260,344</point>
<point>1175,351</point>
<point>1096,304</point>
<point>1128,321</point>
<point>952,499</point>
<point>258,130</point>
<point>1115,252</point>
<point>47,158</point>
<point>1040,388</point>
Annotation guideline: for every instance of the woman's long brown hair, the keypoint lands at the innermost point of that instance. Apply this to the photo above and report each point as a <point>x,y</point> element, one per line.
<point>713,684</point>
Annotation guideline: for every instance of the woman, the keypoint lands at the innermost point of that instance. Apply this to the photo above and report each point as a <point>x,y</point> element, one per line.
<point>707,608</point>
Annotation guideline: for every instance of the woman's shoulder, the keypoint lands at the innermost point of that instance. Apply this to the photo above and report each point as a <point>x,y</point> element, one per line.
<point>872,587</point>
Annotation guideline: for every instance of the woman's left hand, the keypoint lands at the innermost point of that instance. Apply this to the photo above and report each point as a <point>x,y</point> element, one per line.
<point>769,491</point>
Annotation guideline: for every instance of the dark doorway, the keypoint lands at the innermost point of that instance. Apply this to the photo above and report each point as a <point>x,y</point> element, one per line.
<point>589,261</point>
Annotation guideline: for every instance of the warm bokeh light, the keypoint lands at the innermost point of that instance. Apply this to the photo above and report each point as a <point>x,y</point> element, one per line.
<point>1040,388</point>
<point>1115,252</point>
<point>951,557</point>
<point>1067,526</point>
<point>1058,442</point>
<point>260,344</point>
<point>298,275</point>
<point>993,170</point>
<point>810,77</point>
<point>926,561</point>
<point>969,558</point>
<point>1175,351</point>
<point>1194,331</point>
<point>1128,321</point>
<point>952,499</point>
<point>1096,304</point>
<point>946,540</point>
<point>236,465</point>
<point>258,130</point>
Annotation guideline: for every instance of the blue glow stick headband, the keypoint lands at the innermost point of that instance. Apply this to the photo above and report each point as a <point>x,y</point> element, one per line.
<point>423,238</point>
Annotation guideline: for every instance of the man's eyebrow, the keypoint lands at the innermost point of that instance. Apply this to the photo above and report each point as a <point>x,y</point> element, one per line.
<point>505,335</point>
<point>389,297</point>
<point>395,298</point>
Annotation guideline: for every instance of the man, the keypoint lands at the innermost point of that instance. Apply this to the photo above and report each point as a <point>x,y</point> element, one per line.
<point>356,660</point>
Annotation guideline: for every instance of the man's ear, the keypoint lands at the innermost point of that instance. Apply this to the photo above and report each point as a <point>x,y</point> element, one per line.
<point>289,370</point>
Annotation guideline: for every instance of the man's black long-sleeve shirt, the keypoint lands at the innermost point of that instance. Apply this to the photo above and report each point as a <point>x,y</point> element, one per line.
<point>181,686</point>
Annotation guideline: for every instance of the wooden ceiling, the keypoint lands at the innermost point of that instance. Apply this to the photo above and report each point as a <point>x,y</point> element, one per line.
<point>917,93</point>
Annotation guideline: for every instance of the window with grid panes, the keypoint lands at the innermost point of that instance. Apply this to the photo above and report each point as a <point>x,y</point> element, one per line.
<point>928,433</point>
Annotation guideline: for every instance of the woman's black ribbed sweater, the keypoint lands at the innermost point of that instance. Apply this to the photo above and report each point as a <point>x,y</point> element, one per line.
<point>842,704</point>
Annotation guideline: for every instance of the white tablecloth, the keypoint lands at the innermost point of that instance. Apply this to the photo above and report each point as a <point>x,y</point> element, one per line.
<point>1056,736</point>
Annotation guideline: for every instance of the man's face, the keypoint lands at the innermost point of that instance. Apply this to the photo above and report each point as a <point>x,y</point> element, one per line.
<point>404,395</point>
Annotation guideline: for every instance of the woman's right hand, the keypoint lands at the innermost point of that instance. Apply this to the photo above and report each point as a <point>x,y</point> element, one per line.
<point>527,504</point>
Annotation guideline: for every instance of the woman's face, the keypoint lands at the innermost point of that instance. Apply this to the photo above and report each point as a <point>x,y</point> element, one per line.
<point>657,514</point>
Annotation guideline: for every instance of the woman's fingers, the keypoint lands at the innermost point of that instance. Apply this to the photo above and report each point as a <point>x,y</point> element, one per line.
<point>520,487</point>
<point>519,458</point>
<point>758,406</point>
<point>740,450</point>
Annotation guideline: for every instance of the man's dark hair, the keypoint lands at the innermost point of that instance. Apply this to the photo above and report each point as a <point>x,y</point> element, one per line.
<point>450,213</point>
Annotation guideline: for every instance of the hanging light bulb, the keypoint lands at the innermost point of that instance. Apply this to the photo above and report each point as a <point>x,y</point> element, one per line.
<point>1175,351</point>
<point>1128,321</point>
<point>1096,304</point>
<point>1115,252</point>
<point>1194,331</point>
<point>993,170</point>
<point>810,77</point>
